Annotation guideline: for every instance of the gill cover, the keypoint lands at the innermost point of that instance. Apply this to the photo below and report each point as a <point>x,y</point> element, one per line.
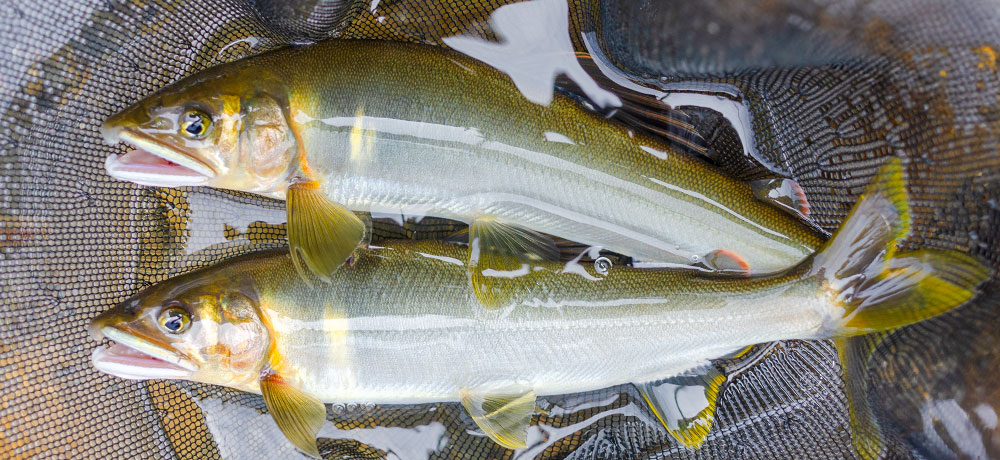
<point>268,146</point>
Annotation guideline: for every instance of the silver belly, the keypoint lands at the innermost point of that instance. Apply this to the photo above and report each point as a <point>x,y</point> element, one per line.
<point>472,177</point>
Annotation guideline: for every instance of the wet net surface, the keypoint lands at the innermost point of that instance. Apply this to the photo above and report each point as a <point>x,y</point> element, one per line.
<point>862,80</point>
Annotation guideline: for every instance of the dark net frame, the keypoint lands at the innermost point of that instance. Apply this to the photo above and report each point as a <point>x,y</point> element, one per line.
<point>864,80</point>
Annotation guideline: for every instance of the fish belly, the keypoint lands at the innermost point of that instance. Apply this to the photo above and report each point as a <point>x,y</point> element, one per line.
<point>473,177</point>
<point>426,353</point>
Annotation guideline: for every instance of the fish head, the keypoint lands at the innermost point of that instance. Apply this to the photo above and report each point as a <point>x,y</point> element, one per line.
<point>203,329</point>
<point>226,128</point>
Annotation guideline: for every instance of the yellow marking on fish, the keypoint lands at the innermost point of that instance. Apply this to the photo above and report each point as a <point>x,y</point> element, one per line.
<point>362,140</point>
<point>334,325</point>
<point>304,170</point>
<point>989,57</point>
<point>301,118</point>
<point>229,120</point>
<point>337,328</point>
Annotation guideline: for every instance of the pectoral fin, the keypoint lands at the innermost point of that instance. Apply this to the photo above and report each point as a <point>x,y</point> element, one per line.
<point>297,414</point>
<point>685,405</point>
<point>499,253</point>
<point>321,234</point>
<point>503,417</point>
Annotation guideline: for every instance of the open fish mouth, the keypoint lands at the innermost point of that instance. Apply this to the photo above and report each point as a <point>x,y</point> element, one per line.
<point>154,164</point>
<point>135,358</point>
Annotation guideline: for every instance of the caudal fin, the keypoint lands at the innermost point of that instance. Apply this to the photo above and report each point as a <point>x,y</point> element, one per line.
<point>879,288</point>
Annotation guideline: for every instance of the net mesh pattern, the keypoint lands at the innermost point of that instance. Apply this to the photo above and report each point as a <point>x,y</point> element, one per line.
<point>864,79</point>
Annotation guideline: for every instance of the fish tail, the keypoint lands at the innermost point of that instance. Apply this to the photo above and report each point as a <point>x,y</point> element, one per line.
<point>878,288</point>
<point>875,289</point>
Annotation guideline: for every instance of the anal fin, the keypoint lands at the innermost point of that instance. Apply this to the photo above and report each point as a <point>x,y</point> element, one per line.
<point>297,414</point>
<point>322,234</point>
<point>685,405</point>
<point>503,416</point>
<point>501,252</point>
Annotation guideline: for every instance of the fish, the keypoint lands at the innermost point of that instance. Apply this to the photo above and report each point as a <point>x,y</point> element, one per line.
<point>401,325</point>
<point>349,126</point>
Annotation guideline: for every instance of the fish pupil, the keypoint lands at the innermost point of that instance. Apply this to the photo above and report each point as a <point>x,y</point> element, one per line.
<point>195,126</point>
<point>174,321</point>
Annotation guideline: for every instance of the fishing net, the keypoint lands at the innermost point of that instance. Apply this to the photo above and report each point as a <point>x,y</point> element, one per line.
<point>832,87</point>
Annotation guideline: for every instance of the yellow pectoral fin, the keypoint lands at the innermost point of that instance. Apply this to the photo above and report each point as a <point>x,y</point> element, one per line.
<point>503,417</point>
<point>297,414</point>
<point>685,405</point>
<point>500,253</point>
<point>322,234</point>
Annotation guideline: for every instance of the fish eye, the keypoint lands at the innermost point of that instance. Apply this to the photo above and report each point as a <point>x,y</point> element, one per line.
<point>174,320</point>
<point>195,123</point>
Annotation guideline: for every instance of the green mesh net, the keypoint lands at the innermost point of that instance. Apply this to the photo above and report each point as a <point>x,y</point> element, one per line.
<point>832,86</point>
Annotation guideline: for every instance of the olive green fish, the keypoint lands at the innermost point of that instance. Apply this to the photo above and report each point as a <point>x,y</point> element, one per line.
<point>417,130</point>
<point>401,325</point>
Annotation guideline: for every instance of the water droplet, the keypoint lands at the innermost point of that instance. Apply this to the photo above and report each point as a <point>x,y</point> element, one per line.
<point>602,265</point>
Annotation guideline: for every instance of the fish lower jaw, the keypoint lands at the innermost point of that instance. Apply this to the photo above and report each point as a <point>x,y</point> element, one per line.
<point>156,165</point>
<point>127,363</point>
<point>149,174</point>
<point>134,357</point>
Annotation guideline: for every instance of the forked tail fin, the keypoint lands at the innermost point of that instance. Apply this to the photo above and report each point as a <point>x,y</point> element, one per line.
<point>878,288</point>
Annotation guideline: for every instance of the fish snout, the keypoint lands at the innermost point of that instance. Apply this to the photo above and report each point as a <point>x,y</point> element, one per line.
<point>111,129</point>
<point>122,313</point>
<point>96,328</point>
